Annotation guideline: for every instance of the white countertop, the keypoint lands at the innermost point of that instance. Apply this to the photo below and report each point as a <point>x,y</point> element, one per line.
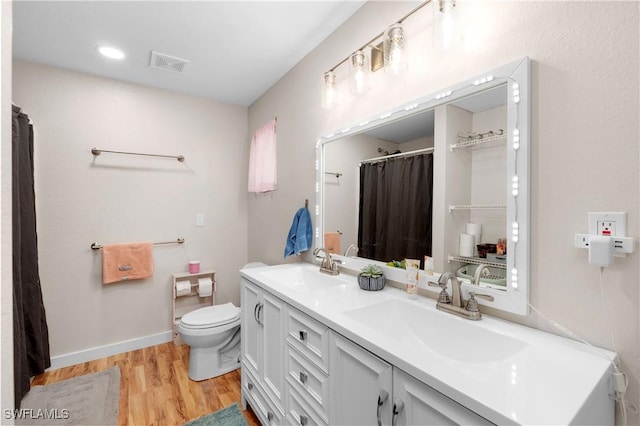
<point>505,372</point>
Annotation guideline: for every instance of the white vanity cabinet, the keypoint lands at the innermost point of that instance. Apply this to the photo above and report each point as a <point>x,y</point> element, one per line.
<point>297,371</point>
<point>263,378</point>
<point>358,381</point>
<point>366,390</point>
<point>418,404</point>
<point>317,350</point>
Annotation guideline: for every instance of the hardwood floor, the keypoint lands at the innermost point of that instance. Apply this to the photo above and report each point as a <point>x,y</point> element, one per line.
<point>155,388</point>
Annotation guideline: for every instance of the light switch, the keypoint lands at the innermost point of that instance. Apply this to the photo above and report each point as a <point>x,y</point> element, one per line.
<point>200,219</point>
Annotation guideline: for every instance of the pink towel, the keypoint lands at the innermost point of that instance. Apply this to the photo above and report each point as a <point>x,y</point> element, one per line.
<point>126,261</point>
<point>332,242</point>
<point>262,159</point>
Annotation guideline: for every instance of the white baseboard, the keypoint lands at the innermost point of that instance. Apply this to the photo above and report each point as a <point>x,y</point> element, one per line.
<point>107,350</point>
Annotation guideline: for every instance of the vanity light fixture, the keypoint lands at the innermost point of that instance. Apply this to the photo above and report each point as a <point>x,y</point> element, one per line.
<point>110,52</point>
<point>390,53</point>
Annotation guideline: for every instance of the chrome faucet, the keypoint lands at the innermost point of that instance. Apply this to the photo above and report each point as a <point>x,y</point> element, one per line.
<point>481,271</point>
<point>456,304</point>
<point>349,249</point>
<point>456,291</point>
<point>328,265</point>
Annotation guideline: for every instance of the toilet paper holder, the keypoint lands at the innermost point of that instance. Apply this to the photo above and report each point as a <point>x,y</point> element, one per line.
<point>187,302</point>
<point>181,280</point>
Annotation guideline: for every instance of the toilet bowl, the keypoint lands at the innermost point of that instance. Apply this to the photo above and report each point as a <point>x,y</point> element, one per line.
<point>214,336</point>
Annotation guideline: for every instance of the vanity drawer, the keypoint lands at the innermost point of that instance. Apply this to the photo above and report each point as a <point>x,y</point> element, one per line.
<point>309,381</point>
<point>299,412</point>
<point>259,401</point>
<point>310,337</point>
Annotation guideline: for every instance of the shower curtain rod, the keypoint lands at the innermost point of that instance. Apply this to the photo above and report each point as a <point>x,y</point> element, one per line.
<point>96,246</point>
<point>402,154</point>
<point>96,152</point>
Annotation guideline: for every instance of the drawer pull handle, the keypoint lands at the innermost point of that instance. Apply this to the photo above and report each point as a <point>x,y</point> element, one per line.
<point>270,416</point>
<point>382,398</point>
<point>303,335</point>
<point>260,306</point>
<point>303,377</point>
<point>303,420</point>
<point>250,386</point>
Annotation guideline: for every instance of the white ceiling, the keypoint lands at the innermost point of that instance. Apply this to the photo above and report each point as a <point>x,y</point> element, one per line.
<point>237,49</point>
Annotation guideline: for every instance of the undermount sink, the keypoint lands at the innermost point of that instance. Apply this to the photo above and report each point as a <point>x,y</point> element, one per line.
<point>304,279</point>
<point>454,338</point>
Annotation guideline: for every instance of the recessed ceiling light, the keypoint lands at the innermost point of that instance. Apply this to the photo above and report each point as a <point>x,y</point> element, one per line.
<point>110,52</point>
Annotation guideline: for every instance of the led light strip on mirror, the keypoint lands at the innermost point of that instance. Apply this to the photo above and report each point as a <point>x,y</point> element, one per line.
<point>516,77</point>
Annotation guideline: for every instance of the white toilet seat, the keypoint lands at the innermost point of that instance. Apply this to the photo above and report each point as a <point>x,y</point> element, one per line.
<point>216,316</point>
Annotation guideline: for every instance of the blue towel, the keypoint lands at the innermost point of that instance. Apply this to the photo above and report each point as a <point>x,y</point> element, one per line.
<point>299,238</point>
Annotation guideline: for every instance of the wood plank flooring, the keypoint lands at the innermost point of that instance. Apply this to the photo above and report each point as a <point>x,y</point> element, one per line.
<point>155,388</point>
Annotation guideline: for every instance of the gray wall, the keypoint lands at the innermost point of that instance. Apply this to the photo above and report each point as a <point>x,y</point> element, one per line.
<point>119,198</point>
<point>585,103</point>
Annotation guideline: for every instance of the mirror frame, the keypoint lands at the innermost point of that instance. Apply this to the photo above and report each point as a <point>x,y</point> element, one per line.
<point>517,76</point>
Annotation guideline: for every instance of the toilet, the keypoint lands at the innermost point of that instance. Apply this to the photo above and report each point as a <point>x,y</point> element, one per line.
<point>213,333</point>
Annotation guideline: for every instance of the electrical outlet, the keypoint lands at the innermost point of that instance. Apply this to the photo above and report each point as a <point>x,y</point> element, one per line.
<point>606,228</point>
<point>612,224</point>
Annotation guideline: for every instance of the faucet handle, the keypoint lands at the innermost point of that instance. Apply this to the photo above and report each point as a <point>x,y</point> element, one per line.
<point>443,297</point>
<point>472,303</point>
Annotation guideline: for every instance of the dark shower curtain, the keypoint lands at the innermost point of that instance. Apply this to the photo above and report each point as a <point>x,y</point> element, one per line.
<point>395,214</point>
<point>30,332</point>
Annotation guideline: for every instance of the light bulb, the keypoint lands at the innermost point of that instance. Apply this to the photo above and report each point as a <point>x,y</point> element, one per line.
<point>359,71</point>
<point>395,50</point>
<point>329,89</point>
<point>446,32</point>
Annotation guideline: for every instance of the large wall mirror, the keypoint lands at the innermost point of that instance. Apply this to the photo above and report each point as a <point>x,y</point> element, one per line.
<point>444,176</point>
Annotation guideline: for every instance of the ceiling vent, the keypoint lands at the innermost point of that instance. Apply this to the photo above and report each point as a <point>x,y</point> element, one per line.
<point>164,62</point>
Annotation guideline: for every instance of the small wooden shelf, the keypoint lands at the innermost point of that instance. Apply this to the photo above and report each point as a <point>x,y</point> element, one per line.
<point>182,305</point>
<point>477,261</point>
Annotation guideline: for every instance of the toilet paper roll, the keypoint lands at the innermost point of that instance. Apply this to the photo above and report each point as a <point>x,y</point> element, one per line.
<point>205,287</point>
<point>183,288</point>
<point>467,244</point>
<point>475,229</point>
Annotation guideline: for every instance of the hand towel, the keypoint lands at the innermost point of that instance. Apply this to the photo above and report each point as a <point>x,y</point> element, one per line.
<point>127,261</point>
<point>299,238</point>
<point>262,159</point>
<point>332,242</point>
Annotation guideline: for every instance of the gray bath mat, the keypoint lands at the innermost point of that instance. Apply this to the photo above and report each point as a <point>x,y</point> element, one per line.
<point>229,416</point>
<point>92,399</point>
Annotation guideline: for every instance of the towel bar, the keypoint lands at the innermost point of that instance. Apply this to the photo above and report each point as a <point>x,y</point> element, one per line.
<point>96,152</point>
<point>96,246</point>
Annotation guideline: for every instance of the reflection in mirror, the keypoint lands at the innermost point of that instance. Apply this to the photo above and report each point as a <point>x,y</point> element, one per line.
<point>382,201</point>
<point>467,206</point>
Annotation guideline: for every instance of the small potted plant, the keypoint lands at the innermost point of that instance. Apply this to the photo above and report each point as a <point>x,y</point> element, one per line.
<point>371,278</point>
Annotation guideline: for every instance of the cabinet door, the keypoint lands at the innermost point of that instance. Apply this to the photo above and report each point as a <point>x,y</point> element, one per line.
<point>272,317</point>
<point>419,404</point>
<point>250,329</point>
<point>359,381</point>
